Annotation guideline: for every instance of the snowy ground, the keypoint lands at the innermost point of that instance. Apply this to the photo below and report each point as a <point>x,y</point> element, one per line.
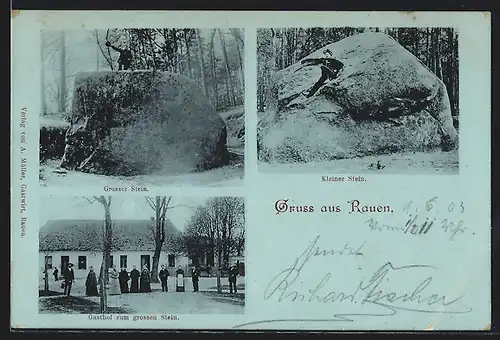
<point>231,175</point>
<point>400,163</point>
<point>207,301</point>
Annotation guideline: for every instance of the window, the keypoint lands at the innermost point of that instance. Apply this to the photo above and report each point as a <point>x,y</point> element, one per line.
<point>48,262</point>
<point>123,261</point>
<point>82,262</point>
<point>64,263</point>
<point>145,261</point>
<point>210,259</point>
<point>171,260</point>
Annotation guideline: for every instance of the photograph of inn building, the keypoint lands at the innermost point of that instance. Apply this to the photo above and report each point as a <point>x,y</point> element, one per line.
<point>142,254</point>
<point>73,241</point>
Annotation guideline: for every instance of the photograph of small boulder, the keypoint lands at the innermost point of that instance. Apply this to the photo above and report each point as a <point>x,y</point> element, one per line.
<point>358,100</point>
<point>148,106</point>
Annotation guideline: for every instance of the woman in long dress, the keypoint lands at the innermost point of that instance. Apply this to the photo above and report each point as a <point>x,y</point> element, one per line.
<point>91,284</point>
<point>145,285</point>
<point>134,277</point>
<point>123,277</point>
<point>114,285</point>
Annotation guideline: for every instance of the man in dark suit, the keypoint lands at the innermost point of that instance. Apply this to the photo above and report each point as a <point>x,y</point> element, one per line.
<point>233,274</point>
<point>163,278</point>
<point>125,58</point>
<point>195,275</point>
<point>69,278</point>
<point>330,68</point>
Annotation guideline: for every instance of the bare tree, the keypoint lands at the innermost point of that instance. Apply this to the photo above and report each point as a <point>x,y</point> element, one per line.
<point>213,68</point>
<point>62,71</point>
<point>46,263</point>
<point>216,226</point>
<point>160,205</point>
<point>107,56</point>
<point>240,242</point>
<point>54,56</point>
<point>228,69</point>
<point>107,237</point>
<point>240,43</point>
<point>42,78</point>
<point>100,51</point>
<point>201,62</point>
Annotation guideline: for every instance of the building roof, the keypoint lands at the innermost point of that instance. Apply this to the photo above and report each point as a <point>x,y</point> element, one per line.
<point>87,235</point>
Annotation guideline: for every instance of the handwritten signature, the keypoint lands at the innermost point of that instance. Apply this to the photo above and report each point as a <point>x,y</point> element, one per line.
<point>419,297</point>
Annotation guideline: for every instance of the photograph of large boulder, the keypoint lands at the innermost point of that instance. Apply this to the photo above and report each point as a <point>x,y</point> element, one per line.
<point>383,100</point>
<point>142,122</point>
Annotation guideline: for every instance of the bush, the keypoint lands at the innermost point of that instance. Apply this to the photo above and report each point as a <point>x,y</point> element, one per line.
<point>52,141</point>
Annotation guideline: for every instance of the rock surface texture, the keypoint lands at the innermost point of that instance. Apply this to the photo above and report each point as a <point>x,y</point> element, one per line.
<point>384,100</point>
<point>142,122</point>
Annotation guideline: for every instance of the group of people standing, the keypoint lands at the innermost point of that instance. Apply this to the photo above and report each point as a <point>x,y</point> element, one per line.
<point>140,281</point>
<point>118,282</point>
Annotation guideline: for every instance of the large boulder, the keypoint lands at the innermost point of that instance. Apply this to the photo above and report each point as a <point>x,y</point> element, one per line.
<point>354,114</point>
<point>142,122</point>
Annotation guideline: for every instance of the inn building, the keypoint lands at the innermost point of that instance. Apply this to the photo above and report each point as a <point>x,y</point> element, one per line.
<point>80,242</point>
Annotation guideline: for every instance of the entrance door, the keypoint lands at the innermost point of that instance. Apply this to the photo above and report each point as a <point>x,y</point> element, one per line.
<point>145,261</point>
<point>64,263</point>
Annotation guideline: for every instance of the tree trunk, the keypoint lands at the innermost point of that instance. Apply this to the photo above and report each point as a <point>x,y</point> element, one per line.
<point>103,296</point>
<point>160,206</point>
<point>416,42</point>
<point>108,236</point>
<point>42,78</point>
<point>158,242</point>
<point>156,260</point>
<point>449,68</point>
<point>97,59</point>
<point>439,68</point>
<point>213,72</point>
<point>296,32</point>
<point>274,45</point>
<point>228,94</point>
<point>62,88</point>
<point>455,72</point>
<point>46,276</point>
<point>201,63</point>
<point>219,264</point>
<point>427,47</point>
<point>228,69</point>
<point>242,73</point>
<point>188,56</point>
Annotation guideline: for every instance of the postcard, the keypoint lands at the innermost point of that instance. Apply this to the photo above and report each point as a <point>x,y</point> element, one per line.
<point>251,170</point>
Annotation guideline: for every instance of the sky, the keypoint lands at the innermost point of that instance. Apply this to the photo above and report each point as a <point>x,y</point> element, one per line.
<point>122,207</point>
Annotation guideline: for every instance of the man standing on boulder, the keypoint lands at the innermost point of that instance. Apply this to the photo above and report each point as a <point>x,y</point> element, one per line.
<point>125,58</point>
<point>330,68</point>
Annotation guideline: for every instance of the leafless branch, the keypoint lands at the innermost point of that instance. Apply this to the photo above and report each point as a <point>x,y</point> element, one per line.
<point>151,202</point>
